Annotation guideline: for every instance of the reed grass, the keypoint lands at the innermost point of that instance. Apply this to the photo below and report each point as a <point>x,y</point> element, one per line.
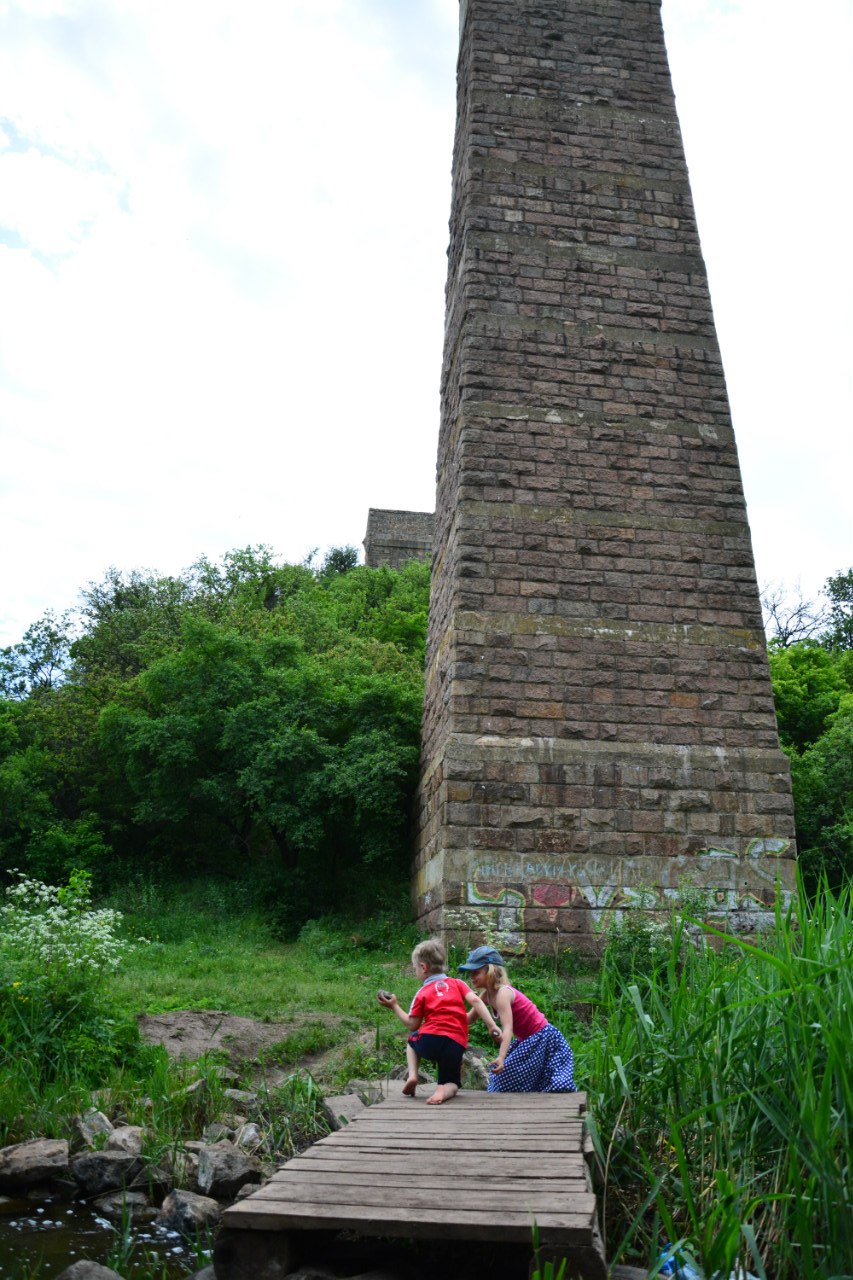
<point>721,1091</point>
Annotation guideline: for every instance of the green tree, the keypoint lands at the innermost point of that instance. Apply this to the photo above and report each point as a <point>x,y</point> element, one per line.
<point>246,713</point>
<point>808,685</point>
<point>38,663</point>
<point>839,589</point>
<point>822,778</point>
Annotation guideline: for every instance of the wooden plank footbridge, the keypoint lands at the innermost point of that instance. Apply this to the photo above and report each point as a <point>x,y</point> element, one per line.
<point>406,1169</point>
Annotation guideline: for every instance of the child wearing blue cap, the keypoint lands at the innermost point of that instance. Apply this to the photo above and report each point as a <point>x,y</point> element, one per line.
<point>438,1021</point>
<point>534,1056</point>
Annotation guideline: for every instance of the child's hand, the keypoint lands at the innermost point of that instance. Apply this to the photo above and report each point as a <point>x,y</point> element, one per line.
<point>497,1066</point>
<point>386,998</point>
<point>495,1033</point>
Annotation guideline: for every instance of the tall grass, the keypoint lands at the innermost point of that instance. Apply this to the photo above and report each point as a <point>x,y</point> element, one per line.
<point>722,1099</point>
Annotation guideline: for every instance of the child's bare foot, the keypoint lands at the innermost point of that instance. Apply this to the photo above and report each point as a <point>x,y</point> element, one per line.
<point>443,1093</point>
<point>409,1087</point>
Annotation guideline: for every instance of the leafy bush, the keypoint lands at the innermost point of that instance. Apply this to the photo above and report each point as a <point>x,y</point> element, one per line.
<point>56,1019</point>
<point>636,944</point>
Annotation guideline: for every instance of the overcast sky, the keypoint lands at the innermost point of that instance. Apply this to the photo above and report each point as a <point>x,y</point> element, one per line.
<point>223,227</point>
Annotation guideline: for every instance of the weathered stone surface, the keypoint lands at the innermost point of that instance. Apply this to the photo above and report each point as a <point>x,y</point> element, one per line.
<point>248,1137</point>
<point>215,1132</point>
<point>133,1204</point>
<point>92,1126</point>
<point>342,1108</point>
<point>394,537</point>
<point>128,1138</point>
<point>188,1213</point>
<point>26,1164</point>
<point>223,1169</point>
<point>598,711</point>
<point>182,1165</point>
<point>243,1097</point>
<point>85,1270</point>
<point>96,1172</point>
<point>153,1179</point>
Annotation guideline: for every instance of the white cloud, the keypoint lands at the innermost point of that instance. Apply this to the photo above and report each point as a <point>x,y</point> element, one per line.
<point>222,280</point>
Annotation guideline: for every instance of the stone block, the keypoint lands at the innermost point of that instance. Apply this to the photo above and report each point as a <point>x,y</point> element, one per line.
<point>595,632</point>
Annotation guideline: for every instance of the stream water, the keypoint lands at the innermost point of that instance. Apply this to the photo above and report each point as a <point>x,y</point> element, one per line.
<point>41,1235</point>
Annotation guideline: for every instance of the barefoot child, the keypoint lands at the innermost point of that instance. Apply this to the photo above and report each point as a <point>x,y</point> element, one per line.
<point>539,1059</point>
<point>438,1020</point>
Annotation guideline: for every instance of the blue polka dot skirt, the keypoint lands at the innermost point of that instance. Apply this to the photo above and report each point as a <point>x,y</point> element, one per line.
<point>543,1063</point>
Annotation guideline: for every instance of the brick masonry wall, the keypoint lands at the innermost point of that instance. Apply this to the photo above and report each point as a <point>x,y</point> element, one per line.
<point>599,725</point>
<point>393,537</point>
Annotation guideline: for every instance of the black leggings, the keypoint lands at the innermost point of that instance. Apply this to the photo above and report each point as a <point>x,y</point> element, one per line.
<point>444,1052</point>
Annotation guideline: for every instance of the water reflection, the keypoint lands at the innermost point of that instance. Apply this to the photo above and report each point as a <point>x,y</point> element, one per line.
<point>42,1234</point>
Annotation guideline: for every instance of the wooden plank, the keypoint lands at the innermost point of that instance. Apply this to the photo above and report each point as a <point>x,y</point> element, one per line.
<point>424,1122</point>
<point>449,1223</point>
<point>405,1164</point>
<point>542,1199</point>
<point>442,1157</point>
<point>335,1179</point>
<point>493,1102</point>
<point>564,1136</point>
<point>401,1143</point>
<point>481,1100</point>
<point>388,1173</point>
<point>570,1129</point>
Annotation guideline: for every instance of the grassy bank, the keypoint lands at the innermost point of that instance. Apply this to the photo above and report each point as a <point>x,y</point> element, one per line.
<point>721,1091</point>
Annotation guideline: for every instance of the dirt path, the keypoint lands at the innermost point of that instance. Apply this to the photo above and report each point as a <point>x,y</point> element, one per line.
<point>189,1033</point>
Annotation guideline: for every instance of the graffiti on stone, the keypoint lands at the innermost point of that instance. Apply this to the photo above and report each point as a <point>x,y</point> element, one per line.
<point>767,848</point>
<point>505,888</point>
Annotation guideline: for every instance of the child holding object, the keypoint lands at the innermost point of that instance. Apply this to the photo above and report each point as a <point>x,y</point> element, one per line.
<point>438,1021</point>
<point>538,1059</point>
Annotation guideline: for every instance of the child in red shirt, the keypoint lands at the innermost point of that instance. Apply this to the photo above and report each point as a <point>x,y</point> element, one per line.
<point>438,1021</point>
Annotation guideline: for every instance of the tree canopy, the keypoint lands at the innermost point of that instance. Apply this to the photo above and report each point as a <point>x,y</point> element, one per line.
<point>261,720</point>
<point>246,718</point>
<point>813,690</point>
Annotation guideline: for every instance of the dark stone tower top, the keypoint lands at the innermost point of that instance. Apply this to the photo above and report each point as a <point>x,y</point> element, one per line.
<point>597,686</point>
<point>393,537</point>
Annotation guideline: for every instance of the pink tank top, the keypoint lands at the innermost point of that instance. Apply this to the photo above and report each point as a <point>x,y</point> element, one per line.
<point>526,1018</point>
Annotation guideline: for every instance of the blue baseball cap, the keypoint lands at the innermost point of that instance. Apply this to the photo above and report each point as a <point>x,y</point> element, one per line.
<point>480,957</point>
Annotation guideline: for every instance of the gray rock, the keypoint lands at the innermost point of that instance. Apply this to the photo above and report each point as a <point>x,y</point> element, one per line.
<point>119,1205</point>
<point>188,1213</point>
<point>248,1137</point>
<point>26,1164</point>
<point>92,1126</point>
<point>96,1172</point>
<point>128,1138</point>
<point>371,1091</point>
<point>84,1270</point>
<point>476,1069</point>
<point>206,1273</point>
<point>183,1167</point>
<point>241,1096</point>
<point>222,1170</point>
<point>214,1132</point>
<point>343,1108</point>
<point>154,1180</point>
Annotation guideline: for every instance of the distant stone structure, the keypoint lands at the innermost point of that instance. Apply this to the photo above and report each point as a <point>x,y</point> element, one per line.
<point>393,537</point>
<point>599,728</point>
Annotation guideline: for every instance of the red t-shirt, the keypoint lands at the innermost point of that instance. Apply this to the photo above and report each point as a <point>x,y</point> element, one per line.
<point>441,1004</point>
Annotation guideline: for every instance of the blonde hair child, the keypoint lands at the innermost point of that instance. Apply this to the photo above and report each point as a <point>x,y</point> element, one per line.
<point>533,1055</point>
<point>438,1020</point>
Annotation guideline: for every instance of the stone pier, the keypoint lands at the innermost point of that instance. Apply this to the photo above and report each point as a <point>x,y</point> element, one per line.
<point>599,730</point>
